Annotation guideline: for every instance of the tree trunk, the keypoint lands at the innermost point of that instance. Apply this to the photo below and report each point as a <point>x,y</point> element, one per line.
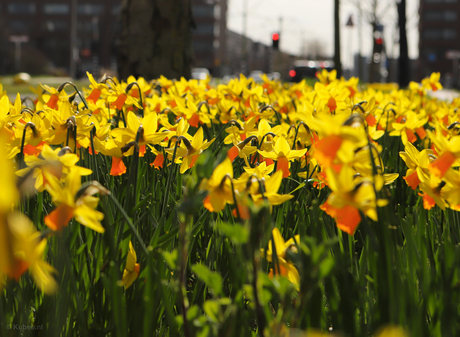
<point>155,39</point>
<point>337,57</point>
<point>404,71</point>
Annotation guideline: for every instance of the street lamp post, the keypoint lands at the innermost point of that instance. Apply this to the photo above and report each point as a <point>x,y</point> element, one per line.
<point>17,40</point>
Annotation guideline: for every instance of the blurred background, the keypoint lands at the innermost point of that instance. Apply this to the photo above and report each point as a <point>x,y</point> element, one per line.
<point>290,40</point>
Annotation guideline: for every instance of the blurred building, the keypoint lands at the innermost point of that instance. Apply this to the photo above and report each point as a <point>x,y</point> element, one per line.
<point>46,26</point>
<point>439,43</point>
<point>36,37</point>
<point>210,35</point>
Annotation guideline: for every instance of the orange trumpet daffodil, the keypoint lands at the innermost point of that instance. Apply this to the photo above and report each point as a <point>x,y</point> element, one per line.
<point>190,150</point>
<point>283,154</point>
<point>348,198</point>
<point>72,203</point>
<point>132,268</point>
<point>219,187</point>
<point>284,267</point>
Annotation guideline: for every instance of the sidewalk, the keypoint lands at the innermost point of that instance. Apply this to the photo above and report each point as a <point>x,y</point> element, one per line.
<point>445,94</point>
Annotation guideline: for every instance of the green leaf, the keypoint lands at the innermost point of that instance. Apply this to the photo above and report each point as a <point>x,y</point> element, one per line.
<point>326,267</point>
<point>211,308</point>
<point>298,188</point>
<point>171,258</point>
<point>212,279</point>
<point>238,234</point>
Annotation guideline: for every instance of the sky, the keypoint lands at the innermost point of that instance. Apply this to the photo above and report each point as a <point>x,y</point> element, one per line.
<point>303,21</point>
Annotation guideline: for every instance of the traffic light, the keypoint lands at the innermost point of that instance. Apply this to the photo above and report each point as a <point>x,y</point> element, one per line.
<point>275,40</point>
<point>378,43</point>
<point>378,39</point>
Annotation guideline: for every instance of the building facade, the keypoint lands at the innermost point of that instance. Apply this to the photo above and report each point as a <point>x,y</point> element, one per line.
<point>210,35</point>
<point>73,36</point>
<point>439,27</point>
<point>47,28</point>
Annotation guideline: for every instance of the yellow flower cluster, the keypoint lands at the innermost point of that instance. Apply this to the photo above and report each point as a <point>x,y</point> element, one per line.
<point>327,134</point>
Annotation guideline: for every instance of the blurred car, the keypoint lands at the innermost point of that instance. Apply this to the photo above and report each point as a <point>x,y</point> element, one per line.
<point>200,73</point>
<point>274,76</point>
<point>21,78</point>
<point>307,69</point>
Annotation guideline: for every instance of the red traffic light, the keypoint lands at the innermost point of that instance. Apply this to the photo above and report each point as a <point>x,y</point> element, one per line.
<point>379,40</point>
<point>275,36</point>
<point>292,73</point>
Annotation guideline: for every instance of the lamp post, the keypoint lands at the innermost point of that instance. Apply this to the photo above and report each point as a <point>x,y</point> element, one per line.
<point>73,38</point>
<point>17,40</point>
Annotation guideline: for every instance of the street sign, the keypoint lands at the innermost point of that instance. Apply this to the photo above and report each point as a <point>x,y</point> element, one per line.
<point>350,22</point>
<point>19,38</point>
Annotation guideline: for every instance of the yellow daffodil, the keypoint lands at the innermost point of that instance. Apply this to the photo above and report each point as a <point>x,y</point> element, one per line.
<point>58,162</point>
<point>29,248</point>
<point>189,151</point>
<point>417,163</point>
<point>348,198</point>
<point>219,187</point>
<point>283,154</point>
<point>432,83</point>
<point>132,268</point>
<point>284,267</point>
<point>72,203</point>
<point>271,188</point>
<point>21,248</point>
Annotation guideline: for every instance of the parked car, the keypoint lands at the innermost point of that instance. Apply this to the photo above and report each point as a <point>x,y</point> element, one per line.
<point>256,75</point>
<point>308,68</point>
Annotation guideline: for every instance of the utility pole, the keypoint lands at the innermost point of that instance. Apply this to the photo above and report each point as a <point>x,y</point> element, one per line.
<point>404,71</point>
<point>337,58</point>
<point>278,55</point>
<point>360,42</point>
<point>244,49</point>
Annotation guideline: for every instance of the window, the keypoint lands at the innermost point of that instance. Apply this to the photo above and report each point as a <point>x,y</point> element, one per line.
<point>433,16</point>
<point>438,34</point>
<point>56,9</point>
<point>90,9</point>
<point>450,16</point>
<point>205,29</point>
<point>449,34</point>
<point>21,8</point>
<point>203,11</point>
<point>202,46</point>
<point>432,34</point>
<point>19,26</point>
<point>440,16</point>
